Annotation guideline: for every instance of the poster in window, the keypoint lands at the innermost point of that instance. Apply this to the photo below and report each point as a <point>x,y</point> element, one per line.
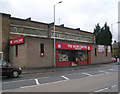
<point>101,49</point>
<point>109,49</point>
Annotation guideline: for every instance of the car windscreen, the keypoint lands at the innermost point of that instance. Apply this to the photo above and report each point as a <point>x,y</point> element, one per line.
<point>5,64</point>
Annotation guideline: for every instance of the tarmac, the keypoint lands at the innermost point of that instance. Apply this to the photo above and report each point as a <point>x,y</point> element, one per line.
<point>47,70</point>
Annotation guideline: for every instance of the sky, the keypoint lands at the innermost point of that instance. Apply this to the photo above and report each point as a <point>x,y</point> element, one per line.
<point>83,14</point>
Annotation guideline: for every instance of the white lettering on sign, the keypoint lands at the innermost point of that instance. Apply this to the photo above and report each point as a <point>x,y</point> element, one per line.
<point>70,46</point>
<point>17,41</point>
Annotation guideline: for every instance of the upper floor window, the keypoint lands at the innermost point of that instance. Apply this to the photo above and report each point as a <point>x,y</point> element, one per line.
<point>66,36</point>
<point>14,29</point>
<point>83,38</point>
<point>89,39</point>
<point>29,31</point>
<point>75,37</point>
<point>57,35</point>
<point>43,32</point>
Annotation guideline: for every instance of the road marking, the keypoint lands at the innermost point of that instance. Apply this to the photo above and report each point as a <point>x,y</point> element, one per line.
<point>36,80</point>
<point>24,80</point>
<point>28,86</point>
<point>109,87</point>
<point>101,90</point>
<point>113,86</point>
<point>112,69</point>
<point>104,72</point>
<point>87,74</point>
<point>44,84</point>
<point>65,77</point>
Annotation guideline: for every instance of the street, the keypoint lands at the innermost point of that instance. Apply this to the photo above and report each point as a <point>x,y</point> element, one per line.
<point>97,79</point>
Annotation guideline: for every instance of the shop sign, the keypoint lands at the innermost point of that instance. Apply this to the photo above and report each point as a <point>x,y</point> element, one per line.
<point>72,46</point>
<point>101,49</point>
<point>17,41</point>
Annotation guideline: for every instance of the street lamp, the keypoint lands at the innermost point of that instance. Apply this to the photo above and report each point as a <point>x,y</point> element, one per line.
<point>54,35</point>
<point>118,41</point>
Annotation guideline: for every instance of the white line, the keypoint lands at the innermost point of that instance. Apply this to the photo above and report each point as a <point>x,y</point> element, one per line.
<point>113,86</point>
<point>87,74</point>
<point>104,72</point>
<point>65,77</point>
<point>36,80</point>
<point>101,90</point>
<point>24,80</point>
<point>44,84</point>
<point>112,69</point>
<point>105,88</point>
<point>28,86</point>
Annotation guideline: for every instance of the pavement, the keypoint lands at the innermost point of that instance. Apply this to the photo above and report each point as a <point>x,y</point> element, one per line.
<point>47,70</point>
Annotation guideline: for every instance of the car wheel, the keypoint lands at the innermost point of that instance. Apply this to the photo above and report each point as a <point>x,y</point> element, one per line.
<point>15,74</point>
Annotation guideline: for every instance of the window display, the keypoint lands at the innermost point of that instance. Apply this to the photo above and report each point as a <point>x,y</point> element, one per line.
<point>72,55</point>
<point>81,56</point>
<point>62,56</point>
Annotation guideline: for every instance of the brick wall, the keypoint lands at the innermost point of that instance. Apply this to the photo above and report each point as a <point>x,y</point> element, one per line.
<point>5,36</point>
<point>29,53</point>
<point>33,52</point>
<point>101,57</point>
<point>20,60</point>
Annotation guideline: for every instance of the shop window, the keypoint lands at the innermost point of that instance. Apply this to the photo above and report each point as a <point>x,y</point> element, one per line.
<point>69,55</point>
<point>95,51</point>
<point>16,50</point>
<point>106,52</point>
<point>62,56</point>
<point>81,56</point>
<point>41,49</point>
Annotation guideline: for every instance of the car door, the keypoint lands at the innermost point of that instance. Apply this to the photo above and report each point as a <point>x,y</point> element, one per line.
<point>5,69</point>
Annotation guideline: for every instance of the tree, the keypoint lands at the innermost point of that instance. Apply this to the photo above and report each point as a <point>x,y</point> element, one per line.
<point>97,31</point>
<point>103,35</point>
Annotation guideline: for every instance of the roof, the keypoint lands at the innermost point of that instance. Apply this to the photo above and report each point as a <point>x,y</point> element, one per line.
<point>62,26</point>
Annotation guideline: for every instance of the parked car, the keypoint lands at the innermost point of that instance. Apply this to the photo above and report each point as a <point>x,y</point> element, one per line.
<point>113,59</point>
<point>10,70</point>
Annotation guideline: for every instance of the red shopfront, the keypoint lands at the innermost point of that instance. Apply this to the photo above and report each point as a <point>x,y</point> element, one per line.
<point>69,54</point>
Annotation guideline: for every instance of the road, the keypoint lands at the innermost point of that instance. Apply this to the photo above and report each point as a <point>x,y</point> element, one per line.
<point>97,79</point>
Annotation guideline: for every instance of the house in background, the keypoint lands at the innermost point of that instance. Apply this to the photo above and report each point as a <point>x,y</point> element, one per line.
<point>116,51</point>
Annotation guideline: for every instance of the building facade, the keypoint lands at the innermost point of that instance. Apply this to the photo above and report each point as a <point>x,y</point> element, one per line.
<point>29,44</point>
<point>116,47</point>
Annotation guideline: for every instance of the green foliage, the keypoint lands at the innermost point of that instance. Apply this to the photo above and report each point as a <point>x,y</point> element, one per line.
<point>103,35</point>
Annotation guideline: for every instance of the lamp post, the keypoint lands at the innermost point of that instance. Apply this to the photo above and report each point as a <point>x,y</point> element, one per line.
<point>54,35</point>
<point>118,42</point>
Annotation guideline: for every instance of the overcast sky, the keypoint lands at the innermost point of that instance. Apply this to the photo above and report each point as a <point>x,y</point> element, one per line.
<point>83,14</point>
